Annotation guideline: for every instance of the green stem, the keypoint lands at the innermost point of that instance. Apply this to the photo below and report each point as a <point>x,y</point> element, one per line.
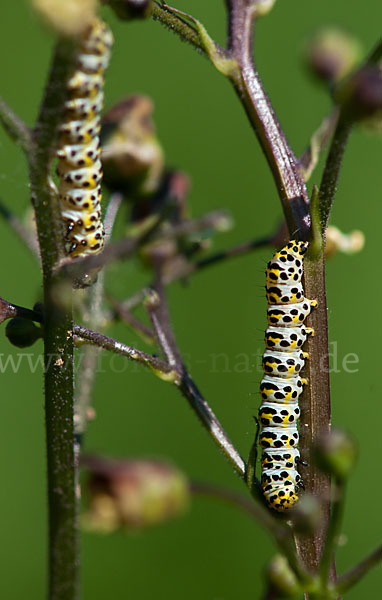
<point>332,168</point>
<point>348,115</point>
<point>347,581</point>
<point>187,33</point>
<point>15,127</point>
<point>309,159</point>
<point>58,342</point>
<point>21,231</point>
<point>337,510</point>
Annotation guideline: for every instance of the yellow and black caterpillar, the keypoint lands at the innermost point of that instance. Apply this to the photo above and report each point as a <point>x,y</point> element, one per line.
<point>282,384</point>
<point>79,165</point>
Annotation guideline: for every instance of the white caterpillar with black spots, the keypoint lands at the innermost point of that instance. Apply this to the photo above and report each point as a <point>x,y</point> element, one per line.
<point>79,165</point>
<point>281,386</point>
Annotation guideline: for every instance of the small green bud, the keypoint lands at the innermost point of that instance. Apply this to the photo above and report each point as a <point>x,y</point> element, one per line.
<point>307,514</point>
<point>281,578</point>
<point>22,332</point>
<point>336,453</point>
<point>332,54</point>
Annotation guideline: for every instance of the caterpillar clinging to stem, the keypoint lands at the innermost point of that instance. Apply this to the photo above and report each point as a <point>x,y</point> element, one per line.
<point>282,384</point>
<point>79,165</point>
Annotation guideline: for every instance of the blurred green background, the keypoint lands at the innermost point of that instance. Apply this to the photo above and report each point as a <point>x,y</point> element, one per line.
<point>214,552</point>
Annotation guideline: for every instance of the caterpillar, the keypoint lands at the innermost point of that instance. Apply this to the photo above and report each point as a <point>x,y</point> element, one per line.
<point>282,384</point>
<point>79,165</point>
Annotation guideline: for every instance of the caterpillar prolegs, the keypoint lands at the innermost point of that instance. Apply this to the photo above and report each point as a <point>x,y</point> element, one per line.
<point>79,165</point>
<point>282,384</point>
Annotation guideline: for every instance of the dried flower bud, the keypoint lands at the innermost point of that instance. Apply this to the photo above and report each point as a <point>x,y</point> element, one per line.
<point>131,494</point>
<point>22,332</point>
<point>336,453</point>
<point>281,578</point>
<point>307,514</point>
<point>348,243</point>
<point>7,310</point>
<point>263,7</point>
<point>332,54</point>
<point>131,9</point>
<point>69,17</point>
<point>132,157</point>
<point>362,93</point>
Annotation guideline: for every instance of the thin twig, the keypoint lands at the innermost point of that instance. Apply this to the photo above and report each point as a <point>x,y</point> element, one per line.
<point>21,231</point>
<point>145,332</point>
<point>320,138</point>
<point>349,579</point>
<point>332,168</point>
<point>162,369</point>
<point>162,12</point>
<point>156,305</point>
<point>9,311</point>
<point>15,127</point>
<point>217,219</point>
<point>336,516</point>
<point>279,530</point>
<point>184,269</point>
<point>75,269</point>
<point>93,318</point>
<point>346,119</point>
<point>209,420</point>
<point>113,207</point>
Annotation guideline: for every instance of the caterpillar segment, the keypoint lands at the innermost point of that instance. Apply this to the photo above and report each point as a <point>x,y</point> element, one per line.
<point>79,165</point>
<point>282,384</point>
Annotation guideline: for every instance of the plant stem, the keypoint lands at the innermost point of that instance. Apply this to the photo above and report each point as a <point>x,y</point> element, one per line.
<point>156,305</point>
<point>210,422</point>
<point>337,510</point>
<point>15,127</point>
<point>75,269</point>
<point>347,116</point>
<point>58,343</point>
<point>8,311</point>
<point>315,409</point>
<point>315,403</point>
<point>17,226</point>
<point>289,183</point>
<point>347,581</point>
<point>162,369</point>
<point>331,172</point>
<point>309,158</point>
<point>145,332</point>
<point>175,23</point>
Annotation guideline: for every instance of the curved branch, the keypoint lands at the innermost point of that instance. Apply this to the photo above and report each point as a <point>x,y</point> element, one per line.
<point>15,127</point>
<point>289,182</point>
